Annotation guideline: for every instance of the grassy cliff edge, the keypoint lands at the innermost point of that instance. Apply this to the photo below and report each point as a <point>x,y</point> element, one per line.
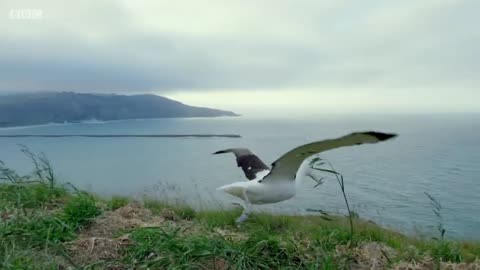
<point>48,225</point>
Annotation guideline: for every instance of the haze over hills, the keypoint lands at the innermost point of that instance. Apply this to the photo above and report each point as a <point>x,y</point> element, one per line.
<point>61,107</point>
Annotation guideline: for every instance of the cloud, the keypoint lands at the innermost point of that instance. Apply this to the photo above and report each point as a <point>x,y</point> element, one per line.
<point>172,46</point>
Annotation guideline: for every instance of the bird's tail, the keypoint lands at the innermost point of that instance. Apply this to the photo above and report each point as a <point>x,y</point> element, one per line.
<point>235,189</point>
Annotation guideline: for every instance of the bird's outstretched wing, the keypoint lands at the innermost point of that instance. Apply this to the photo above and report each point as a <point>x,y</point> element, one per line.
<point>249,162</point>
<point>287,165</point>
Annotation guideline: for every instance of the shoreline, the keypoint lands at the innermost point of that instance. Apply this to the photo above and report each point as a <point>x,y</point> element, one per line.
<point>123,135</point>
<point>95,121</point>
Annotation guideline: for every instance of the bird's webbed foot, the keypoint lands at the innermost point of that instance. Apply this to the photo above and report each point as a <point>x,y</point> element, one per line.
<point>245,213</point>
<point>242,218</point>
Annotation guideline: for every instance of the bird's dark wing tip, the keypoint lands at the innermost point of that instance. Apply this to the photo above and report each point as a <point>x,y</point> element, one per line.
<point>220,152</point>
<point>381,136</point>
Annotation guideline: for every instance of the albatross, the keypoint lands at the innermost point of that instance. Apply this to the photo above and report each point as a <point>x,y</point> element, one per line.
<point>279,183</point>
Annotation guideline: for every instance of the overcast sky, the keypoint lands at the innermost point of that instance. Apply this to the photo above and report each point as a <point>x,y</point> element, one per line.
<point>251,55</point>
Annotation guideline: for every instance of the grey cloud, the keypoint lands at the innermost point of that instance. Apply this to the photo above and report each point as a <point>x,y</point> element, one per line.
<point>111,47</point>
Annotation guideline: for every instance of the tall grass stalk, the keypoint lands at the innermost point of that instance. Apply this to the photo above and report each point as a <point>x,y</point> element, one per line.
<point>437,210</point>
<point>317,164</point>
<point>42,167</point>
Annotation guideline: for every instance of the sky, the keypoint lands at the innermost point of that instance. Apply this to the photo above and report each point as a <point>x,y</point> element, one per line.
<point>250,56</point>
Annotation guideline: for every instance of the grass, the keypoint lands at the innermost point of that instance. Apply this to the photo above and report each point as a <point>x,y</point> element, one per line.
<point>116,202</point>
<point>80,209</point>
<point>46,225</point>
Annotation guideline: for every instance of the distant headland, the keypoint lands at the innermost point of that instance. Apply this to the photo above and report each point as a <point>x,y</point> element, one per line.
<point>69,107</point>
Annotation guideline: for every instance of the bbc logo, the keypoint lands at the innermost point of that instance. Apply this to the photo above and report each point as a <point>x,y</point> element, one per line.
<point>26,14</point>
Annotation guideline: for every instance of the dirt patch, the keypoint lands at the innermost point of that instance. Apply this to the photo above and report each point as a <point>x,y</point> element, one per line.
<point>370,255</point>
<point>101,240</point>
<point>126,218</point>
<point>430,264</point>
<point>134,210</point>
<point>95,248</point>
<point>376,256</point>
<point>169,214</point>
<point>217,264</point>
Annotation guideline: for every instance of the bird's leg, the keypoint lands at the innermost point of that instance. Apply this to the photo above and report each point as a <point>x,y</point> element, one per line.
<point>246,211</point>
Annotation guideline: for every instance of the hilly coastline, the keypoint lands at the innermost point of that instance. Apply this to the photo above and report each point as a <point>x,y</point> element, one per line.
<point>68,107</point>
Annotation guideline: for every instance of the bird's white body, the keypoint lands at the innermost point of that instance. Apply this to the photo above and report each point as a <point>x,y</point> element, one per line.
<point>257,192</point>
<point>265,192</point>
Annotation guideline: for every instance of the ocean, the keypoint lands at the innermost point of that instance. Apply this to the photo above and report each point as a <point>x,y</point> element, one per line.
<point>385,183</point>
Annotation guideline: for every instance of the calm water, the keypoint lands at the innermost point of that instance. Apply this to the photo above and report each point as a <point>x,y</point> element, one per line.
<point>385,182</point>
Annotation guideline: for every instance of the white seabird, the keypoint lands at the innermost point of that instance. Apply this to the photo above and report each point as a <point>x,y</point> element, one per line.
<point>279,183</point>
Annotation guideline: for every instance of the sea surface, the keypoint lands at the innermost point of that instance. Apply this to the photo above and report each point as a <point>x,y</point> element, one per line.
<point>385,183</point>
